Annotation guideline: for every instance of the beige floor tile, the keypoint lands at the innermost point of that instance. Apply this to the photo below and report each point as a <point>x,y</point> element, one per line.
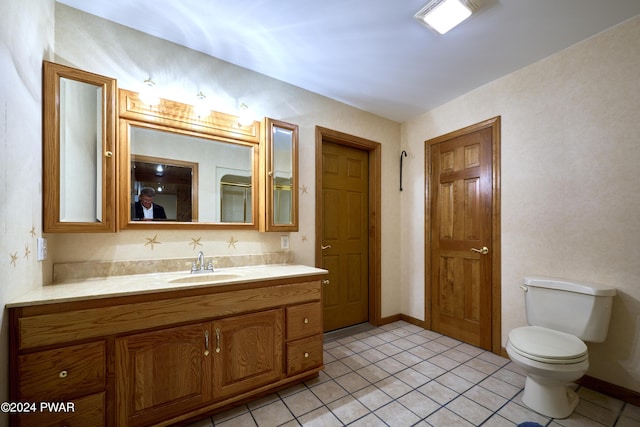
<point>438,392</point>
<point>348,409</point>
<point>352,382</point>
<point>244,420</point>
<point>272,415</point>
<point>302,402</point>
<point>328,391</point>
<point>412,377</point>
<point>394,414</point>
<point>469,410</point>
<point>372,397</point>
<point>419,404</point>
<point>321,417</point>
<point>444,417</point>
<point>486,398</point>
<point>394,387</point>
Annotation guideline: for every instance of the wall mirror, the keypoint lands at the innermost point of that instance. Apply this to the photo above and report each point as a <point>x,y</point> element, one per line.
<point>174,182</point>
<point>282,176</point>
<point>202,171</point>
<point>78,153</point>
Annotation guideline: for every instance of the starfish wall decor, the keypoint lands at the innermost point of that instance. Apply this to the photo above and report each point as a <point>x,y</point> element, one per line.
<point>152,241</point>
<point>195,242</point>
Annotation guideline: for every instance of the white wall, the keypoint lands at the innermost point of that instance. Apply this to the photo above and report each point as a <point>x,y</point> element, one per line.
<point>26,38</point>
<point>570,183</point>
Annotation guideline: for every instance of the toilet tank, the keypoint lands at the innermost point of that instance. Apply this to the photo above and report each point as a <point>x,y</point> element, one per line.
<point>577,308</point>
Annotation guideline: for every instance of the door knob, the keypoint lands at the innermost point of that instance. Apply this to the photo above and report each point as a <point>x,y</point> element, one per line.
<point>325,247</point>
<point>483,251</point>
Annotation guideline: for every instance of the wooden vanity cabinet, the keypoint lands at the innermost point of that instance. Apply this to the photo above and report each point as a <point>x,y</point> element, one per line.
<point>163,359</point>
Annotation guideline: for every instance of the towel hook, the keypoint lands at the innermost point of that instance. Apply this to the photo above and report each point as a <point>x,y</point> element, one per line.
<point>402,154</point>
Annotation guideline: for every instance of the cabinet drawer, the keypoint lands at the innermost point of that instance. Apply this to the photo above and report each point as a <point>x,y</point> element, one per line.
<point>304,354</point>
<point>82,412</point>
<point>62,373</point>
<point>304,320</point>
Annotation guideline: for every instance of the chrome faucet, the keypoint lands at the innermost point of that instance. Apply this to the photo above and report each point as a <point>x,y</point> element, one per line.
<point>198,264</point>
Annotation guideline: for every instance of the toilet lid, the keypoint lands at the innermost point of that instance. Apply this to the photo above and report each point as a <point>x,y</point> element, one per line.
<point>547,344</point>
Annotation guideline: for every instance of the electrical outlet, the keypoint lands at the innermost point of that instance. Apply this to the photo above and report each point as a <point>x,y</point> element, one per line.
<point>284,242</point>
<point>42,248</point>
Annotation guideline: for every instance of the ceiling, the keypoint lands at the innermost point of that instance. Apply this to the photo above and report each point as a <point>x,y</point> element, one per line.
<point>370,54</point>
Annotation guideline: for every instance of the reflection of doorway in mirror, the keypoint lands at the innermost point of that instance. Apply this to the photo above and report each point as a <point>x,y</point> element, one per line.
<point>282,200</point>
<point>175,184</point>
<point>235,199</point>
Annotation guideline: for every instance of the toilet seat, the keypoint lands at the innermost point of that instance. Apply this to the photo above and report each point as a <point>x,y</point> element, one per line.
<point>547,346</point>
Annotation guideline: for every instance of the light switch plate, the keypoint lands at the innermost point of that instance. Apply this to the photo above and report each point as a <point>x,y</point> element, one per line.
<point>284,242</point>
<point>42,248</point>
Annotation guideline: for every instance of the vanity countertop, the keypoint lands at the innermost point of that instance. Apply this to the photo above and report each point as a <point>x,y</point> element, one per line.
<point>115,286</point>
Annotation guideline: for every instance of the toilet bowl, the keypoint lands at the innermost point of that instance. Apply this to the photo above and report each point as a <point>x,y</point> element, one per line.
<point>551,351</point>
<point>550,360</point>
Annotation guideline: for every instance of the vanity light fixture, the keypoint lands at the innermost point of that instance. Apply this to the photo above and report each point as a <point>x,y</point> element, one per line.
<point>149,93</point>
<point>245,118</point>
<point>443,15</point>
<point>200,107</point>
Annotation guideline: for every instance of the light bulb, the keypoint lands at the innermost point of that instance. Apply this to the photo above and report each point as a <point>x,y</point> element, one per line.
<point>245,118</point>
<point>149,93</point>
<point>201,108</point>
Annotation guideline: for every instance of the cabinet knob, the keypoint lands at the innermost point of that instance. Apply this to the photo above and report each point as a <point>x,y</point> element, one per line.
<point>306,355</point>
<point>109,154</point>
<point>63,374</point>
<point>306,320</point>
<point>325,282</point>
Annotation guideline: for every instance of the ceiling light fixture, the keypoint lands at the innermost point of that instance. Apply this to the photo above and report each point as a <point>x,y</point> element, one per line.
<point>442,15</point>
<point>149,93</point>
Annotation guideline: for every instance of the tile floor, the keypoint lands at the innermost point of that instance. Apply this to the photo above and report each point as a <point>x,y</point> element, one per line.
<point>402,375</point>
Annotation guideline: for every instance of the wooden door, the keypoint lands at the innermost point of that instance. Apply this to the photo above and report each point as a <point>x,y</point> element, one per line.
<point>345,239</point>
<point>161,374</point>
<point>247,352</point>
<point>461,236</point>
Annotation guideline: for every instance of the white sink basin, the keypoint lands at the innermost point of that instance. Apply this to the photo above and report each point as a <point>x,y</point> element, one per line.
<point>205,278</point>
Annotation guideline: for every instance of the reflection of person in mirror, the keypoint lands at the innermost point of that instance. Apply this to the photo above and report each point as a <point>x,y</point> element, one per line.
<point>145,209</point>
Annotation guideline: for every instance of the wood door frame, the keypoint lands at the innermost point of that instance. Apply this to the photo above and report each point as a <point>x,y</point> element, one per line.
<point>496,285</point>
<point>375,205</point>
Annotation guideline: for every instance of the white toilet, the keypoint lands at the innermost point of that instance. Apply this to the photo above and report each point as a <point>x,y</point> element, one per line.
<point>551,351</point>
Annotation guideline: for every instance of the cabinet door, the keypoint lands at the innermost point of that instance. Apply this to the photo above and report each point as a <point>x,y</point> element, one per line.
<point>79,160</point>
<point>281,176</point>
<point>162,373</point>
<point>248,352</point>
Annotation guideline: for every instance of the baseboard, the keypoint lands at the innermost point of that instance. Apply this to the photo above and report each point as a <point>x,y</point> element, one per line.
<point>406,318</point>
<point>621,393</point>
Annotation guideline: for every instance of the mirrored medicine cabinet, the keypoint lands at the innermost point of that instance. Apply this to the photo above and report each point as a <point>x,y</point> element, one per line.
<point>281,176</point>
<point>79,119</point>
<point>206,172</point>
